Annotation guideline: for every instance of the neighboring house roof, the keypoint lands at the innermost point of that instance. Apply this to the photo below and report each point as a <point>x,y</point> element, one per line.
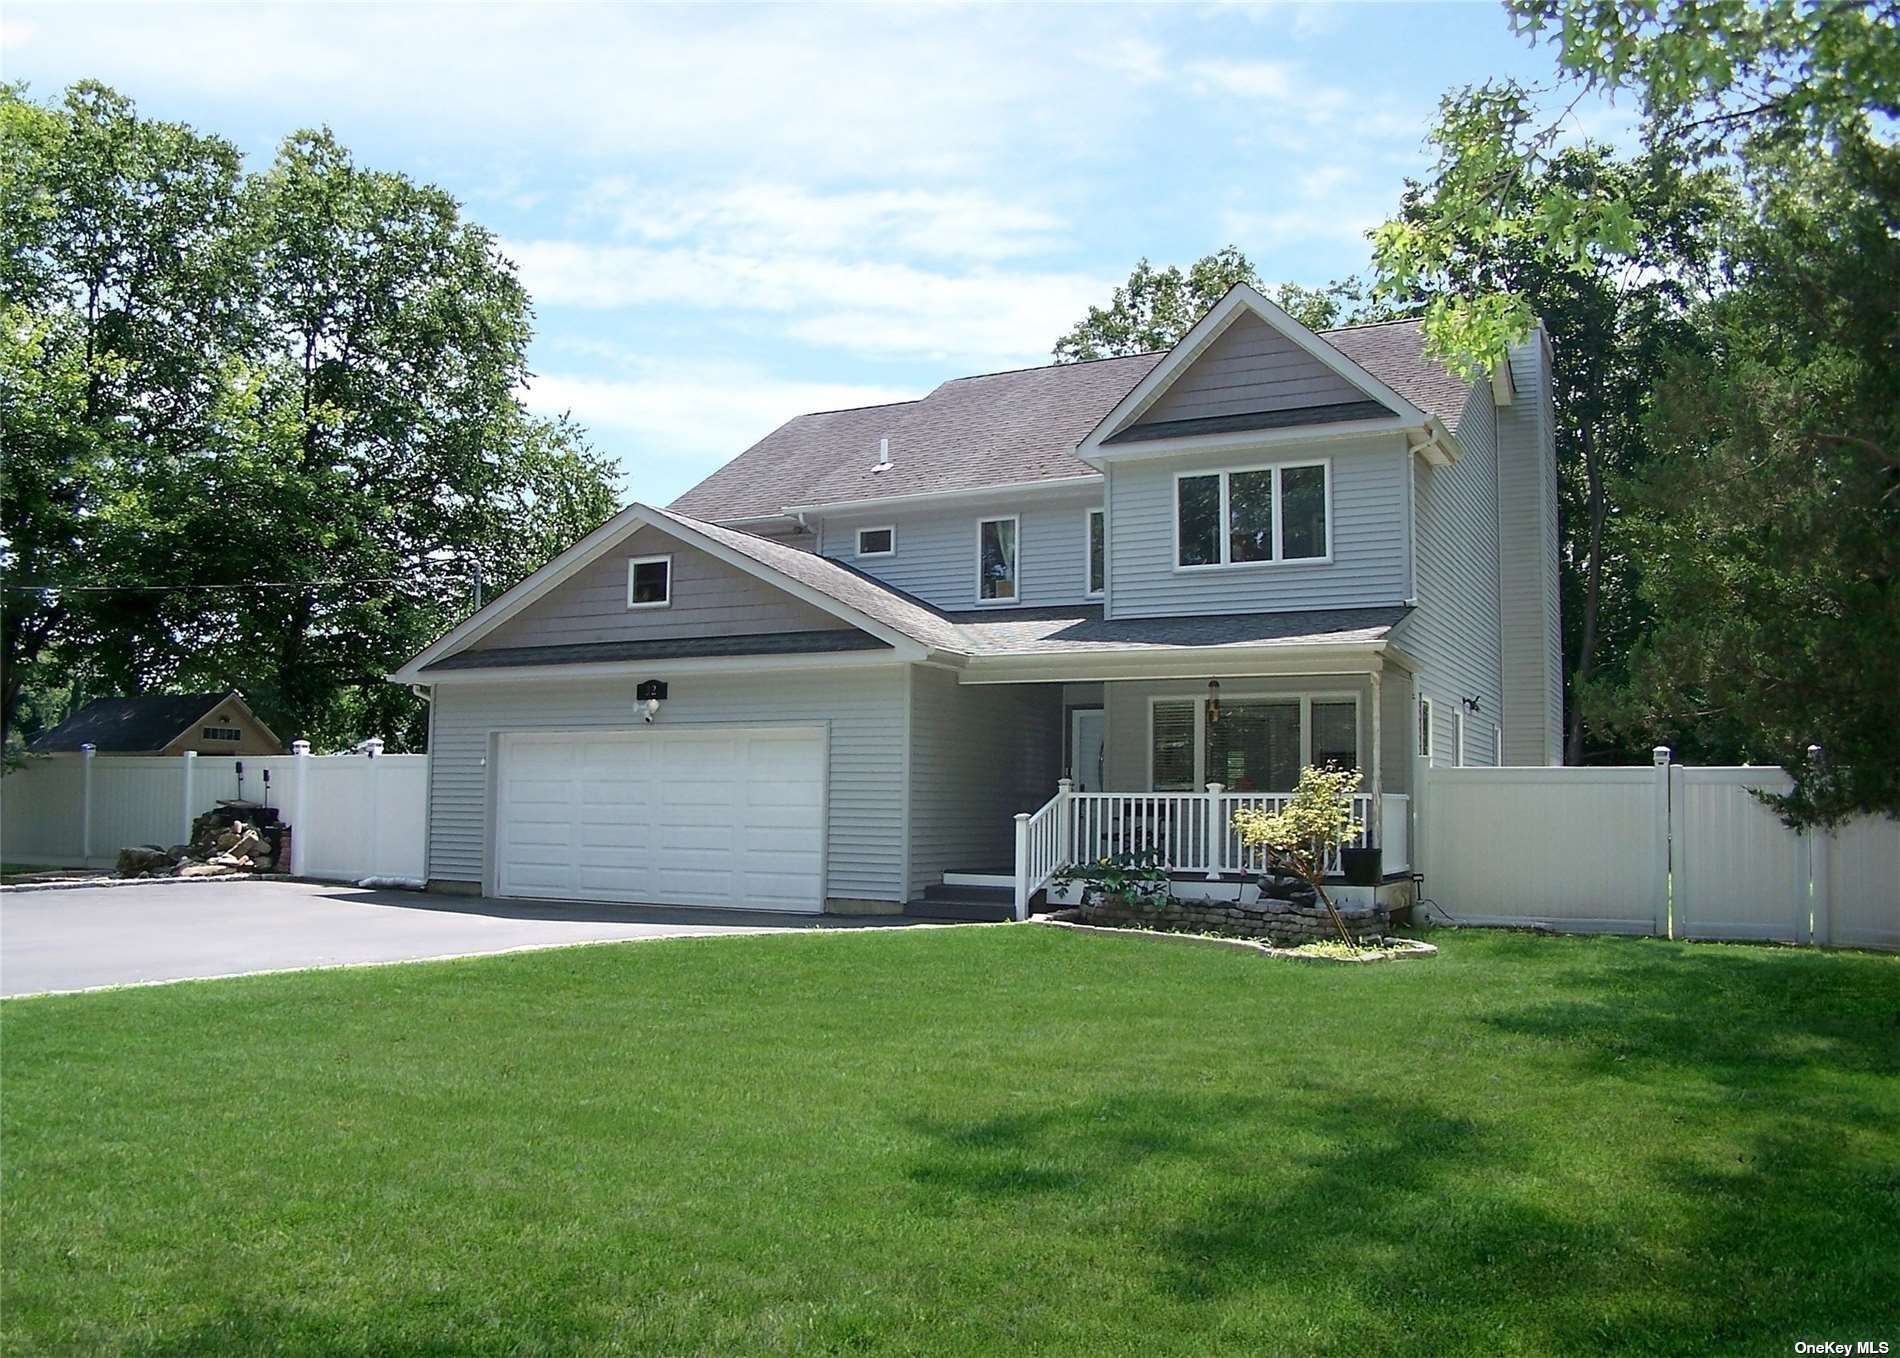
<point>135,725</point>
<point>1001,429</point>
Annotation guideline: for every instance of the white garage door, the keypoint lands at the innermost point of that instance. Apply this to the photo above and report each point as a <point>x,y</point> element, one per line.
<point>728,816</point>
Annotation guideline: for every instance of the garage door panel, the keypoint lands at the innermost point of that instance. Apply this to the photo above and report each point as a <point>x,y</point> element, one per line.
<point>726,817</point>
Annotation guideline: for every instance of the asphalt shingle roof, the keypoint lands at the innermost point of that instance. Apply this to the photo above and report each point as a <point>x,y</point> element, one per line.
<point>669,648</point>
<point>127,725</point>
<point>1000,429</point>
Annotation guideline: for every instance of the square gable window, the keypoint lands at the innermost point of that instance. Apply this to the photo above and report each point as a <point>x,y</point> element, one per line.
<point>877,541</point>
<point>649,581</point>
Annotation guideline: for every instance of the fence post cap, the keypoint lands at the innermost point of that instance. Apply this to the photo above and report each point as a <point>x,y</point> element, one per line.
<point>1660,754</point>
<point>1065,784</point>
<point>1814,754</point>
<point>88,749</point>
<point>300,747</point>
<point>1216,788</point>
<point>1022,815</point>
<point>191,754</point>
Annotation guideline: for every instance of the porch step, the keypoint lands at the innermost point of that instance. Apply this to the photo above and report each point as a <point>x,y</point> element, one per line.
<point>964,903</point>
<point>1003,879</point>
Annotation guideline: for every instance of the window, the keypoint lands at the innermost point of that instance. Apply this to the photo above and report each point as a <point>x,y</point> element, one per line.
<point>1425,729</point>
<point>1257,514</point>
<point>877,541</point>
<point>1258,744</point>
<point>996,561</point>
<point>1336,735</point>
<point>649,581</point>
<point>223,733</point>
<point>1173,750</point>
<point>1098,552</point>
<point>1255,746</point>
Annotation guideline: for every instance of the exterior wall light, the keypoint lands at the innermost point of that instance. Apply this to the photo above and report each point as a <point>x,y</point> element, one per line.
<point>1213,701</point>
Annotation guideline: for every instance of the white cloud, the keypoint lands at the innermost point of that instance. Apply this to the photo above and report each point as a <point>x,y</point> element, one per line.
<point>764,216</point>
<point>688,419</point>
<point>982,316</point>
<point>1271,80</point>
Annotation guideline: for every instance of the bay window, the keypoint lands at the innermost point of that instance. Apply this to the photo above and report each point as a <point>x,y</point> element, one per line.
<point>1253,744</point>
<point>1251,515</point>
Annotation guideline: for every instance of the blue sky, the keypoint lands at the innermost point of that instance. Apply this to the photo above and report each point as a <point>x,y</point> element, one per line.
<point>730,215</point>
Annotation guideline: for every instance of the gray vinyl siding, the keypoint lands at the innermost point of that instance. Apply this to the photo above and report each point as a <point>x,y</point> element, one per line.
<point>1367,535</point>
<point>865,711</point>
<point>709,599</point>
<point>1126,705</point>
<point>1454,631</point>
<point>979,755</point>
<point>1398,728</point>
<point>1527,549</point>
<point>936,549</point>
<point>1250,367</point>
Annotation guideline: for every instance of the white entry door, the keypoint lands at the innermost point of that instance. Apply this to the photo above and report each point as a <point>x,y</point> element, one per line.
<point>710,815</point>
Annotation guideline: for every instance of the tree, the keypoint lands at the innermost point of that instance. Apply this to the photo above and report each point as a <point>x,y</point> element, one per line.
<point>1156,307</point>
<point>1299,837</point>
<point>288,424</point>
<point>1770,521</point>
<point>1615,317</point>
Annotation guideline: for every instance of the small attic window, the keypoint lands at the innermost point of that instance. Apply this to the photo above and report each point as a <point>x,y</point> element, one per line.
<point>223,733</point>
<point>877,541</point>
<point>649,581</point>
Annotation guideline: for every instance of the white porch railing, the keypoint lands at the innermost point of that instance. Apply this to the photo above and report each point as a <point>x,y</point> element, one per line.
<point>1193,830</point>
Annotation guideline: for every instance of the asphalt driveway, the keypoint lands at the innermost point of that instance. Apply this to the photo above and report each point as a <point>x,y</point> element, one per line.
<point>84,937</point>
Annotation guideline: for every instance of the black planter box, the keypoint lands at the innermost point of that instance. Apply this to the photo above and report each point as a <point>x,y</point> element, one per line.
<point>1361,867</point>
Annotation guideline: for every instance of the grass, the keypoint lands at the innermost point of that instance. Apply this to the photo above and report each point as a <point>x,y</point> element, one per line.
<point>962,1142</point>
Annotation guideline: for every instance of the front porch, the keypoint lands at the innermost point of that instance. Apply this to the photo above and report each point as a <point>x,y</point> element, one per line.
<point>1100,767</point>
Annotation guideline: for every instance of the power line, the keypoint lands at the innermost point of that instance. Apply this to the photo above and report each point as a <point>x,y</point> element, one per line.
<point>239,584</point>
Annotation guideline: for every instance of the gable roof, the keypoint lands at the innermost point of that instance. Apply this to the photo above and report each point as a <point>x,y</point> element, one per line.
<point>136,725</point>
<point>998,429</point>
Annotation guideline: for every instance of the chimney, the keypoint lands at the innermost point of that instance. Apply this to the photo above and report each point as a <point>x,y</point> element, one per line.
<point>883,462</point>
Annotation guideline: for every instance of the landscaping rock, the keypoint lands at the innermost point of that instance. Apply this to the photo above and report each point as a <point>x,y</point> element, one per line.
<point>144,860</point>
<point>200,870</point>
<point>1283,923</point>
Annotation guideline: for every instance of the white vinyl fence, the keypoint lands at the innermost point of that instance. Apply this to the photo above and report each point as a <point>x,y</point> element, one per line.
<point>1670,850</point>
<point>351,816</point>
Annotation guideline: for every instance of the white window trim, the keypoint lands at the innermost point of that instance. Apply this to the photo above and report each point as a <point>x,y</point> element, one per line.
<point>1458,728</point>
<point>1426,736</point>
<point>858,541</point>
<point>1015,600</point>
<point>1305,700</point>
<point>1224,539</point>
<point>1497,746</point>
<point>635,561</point>
<point>1089,516</point>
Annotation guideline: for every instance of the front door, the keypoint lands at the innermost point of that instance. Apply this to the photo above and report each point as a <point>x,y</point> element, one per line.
<point>1088,743</point>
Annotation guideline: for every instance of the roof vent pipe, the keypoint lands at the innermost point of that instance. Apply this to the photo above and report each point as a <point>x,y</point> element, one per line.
<point>883,455</point>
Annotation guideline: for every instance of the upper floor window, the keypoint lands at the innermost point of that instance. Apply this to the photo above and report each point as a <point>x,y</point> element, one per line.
<point>1252,514</point>
<point>996,573</point>
<point>1098,552</point>
<point>649,581</point>
<point>877,541</point>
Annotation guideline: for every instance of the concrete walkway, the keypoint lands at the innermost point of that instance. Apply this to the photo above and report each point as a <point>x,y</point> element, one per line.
<point>89,937</point>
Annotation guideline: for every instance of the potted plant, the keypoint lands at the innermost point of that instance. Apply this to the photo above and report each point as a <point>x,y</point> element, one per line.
<point>1297,839</point>
<point>1137,879</point>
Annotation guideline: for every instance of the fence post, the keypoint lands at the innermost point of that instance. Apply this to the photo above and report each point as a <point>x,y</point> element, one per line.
<point>1216,832</point>
<point>1022,865</point>
<point>1665,838</point>
<point>373,839</point>
<point>86,752</point>
<point>184,815</point>
<point>1819,921</point>
<point>300,798</point>
<point>1065,822</point>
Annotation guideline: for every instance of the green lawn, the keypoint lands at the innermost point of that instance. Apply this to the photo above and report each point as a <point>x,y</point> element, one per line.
<point>964,1141</point>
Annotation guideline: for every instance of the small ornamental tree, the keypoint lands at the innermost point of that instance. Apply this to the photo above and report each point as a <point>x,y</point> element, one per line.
<point>1298,839</point>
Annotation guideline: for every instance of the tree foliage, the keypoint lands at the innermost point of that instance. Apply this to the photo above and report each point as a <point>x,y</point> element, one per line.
<point>287,396</point>
<point>1312,825</point>
<point>1156,307</point>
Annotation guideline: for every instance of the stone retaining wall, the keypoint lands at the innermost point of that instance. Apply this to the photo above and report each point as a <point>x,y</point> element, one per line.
<point>1283,923</point>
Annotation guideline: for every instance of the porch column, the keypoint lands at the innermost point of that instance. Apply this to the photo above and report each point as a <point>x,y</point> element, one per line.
<point>1375,832</point>
<point>1065,822</point>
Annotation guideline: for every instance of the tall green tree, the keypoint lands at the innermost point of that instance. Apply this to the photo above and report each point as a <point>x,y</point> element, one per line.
<point>1156,307</point>
<point>313,439</point>
<point>1616,316</point>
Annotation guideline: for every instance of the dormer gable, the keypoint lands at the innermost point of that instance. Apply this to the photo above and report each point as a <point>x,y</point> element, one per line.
<point>1247,374</point>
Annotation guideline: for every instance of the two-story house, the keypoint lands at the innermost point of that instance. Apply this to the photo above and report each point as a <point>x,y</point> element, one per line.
<point>1031,617</point>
